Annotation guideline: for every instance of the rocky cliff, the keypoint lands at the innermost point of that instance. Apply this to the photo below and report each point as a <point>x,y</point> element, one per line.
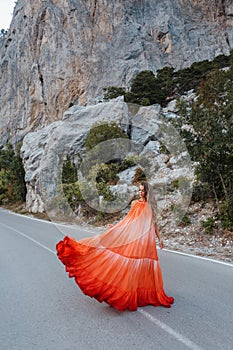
<point>63,52</point>
<point>44,151</point>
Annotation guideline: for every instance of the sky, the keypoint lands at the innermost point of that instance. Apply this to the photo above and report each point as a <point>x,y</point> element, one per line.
<point>6,11</point>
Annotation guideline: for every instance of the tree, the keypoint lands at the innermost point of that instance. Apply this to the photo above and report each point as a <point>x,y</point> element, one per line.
<point>147,89</point>
<point>146,86</point>
<point>113,92</point>
<point>165,77</point>
<point>69,171</point>
<point>12,183</point>
<point>210,138</point>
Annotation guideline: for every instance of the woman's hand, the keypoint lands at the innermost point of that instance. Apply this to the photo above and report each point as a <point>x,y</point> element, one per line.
<point>161,244</point>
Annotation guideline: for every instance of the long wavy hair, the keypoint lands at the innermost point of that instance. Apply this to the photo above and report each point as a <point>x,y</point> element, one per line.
<point>150,196</point>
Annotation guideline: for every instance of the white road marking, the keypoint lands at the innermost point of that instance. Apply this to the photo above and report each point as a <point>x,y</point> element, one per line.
<point>30,239</point>
<point>197,257</point>
<point>46,221</point>
<point>190,345</point>
<point>89,231</point>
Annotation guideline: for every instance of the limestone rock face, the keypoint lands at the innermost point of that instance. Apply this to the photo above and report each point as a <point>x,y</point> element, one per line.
<point>44,151</point>
<point>64,52</point>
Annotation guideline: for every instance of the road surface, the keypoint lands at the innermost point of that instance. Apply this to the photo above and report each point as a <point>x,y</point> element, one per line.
<point>42,309</point>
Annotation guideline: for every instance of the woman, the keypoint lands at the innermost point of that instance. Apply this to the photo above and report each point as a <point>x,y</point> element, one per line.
<point>121,265</point>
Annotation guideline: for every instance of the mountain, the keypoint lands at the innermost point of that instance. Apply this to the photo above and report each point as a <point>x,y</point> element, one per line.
<point>64,52</point>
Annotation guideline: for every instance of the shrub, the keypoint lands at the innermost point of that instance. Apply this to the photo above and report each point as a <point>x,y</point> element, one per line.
<point>208,225</point>
<point>102,132</point>
<point>210,141</point>
<point>104,174</point>
<point>113,92</point>
<point>201,192</point>
<point>12,183</point>
<point>147,89</point>
<point>69,171</point>
<point>185,220</point>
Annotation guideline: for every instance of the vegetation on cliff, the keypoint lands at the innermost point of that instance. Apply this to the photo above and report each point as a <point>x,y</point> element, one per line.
<point>146,88</point>
<point>12,183</point>
<point>104,173</point>
<point>206,124</point>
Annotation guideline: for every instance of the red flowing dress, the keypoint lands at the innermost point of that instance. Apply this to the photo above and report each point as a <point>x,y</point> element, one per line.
<point>119,266</point>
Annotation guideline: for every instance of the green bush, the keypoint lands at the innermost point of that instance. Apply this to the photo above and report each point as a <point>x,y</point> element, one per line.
<point>210,141</point>
<point>186,220</point>
<point>102,132</point>
<point>201,192</point>
<point>145,101</point>
<point>147,89</point>
<point>208,225</point>
<point>104,190</point>
<point>69,171</point>
<point>12,183</point>
<point>72,193</point>
<point>104,174</point>
<point>113,92</point>
<point>226,213</point>
<point>175,184</point>
<point>128,162</point>
<point>182,217</point>
<point>107,173</point>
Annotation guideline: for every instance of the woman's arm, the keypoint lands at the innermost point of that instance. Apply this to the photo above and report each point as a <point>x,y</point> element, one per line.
<point>159,237</point>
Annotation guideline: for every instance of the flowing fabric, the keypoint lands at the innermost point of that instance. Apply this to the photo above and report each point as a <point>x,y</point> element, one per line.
<point>119,266</point>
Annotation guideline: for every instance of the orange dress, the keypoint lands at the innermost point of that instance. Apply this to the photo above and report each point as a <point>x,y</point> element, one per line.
<point>119,266</point>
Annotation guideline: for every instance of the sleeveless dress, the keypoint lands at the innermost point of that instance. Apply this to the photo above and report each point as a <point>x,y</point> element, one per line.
<point>119,266</point>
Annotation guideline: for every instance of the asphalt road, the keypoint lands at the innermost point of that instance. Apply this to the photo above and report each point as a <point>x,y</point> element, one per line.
<point>41,308</point>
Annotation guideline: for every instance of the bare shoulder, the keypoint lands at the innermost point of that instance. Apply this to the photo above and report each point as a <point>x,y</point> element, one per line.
<point>133,202</point>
